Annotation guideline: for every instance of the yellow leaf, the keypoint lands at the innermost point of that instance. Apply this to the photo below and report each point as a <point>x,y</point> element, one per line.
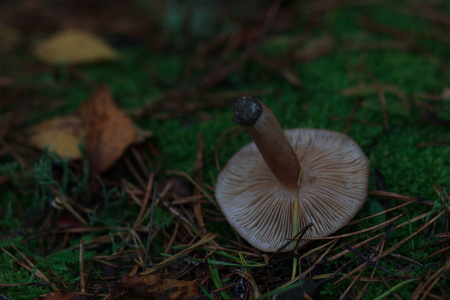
<point>73,46</point>
<point>62,134</point>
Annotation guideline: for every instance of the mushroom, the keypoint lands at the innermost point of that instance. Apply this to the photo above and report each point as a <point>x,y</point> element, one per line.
<point>325,171</point>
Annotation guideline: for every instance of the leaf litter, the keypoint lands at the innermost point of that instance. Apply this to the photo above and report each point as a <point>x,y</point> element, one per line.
<point>98,118</point>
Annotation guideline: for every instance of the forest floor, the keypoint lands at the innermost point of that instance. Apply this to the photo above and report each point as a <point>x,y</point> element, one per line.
<point>116,119</point>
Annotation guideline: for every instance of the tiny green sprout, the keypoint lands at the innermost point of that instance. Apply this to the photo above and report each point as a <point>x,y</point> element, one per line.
<point>440,202</point>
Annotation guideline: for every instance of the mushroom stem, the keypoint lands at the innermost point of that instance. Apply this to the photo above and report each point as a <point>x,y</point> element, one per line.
<point>266,132</point>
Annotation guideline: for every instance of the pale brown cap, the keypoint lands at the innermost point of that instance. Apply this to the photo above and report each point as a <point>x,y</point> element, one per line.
<point>334,185</point>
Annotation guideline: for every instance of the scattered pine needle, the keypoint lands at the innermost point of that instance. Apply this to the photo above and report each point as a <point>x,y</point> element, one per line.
<point>82,278</point>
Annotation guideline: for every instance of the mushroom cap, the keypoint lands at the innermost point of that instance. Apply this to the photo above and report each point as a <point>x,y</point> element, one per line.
<point>333,188</point>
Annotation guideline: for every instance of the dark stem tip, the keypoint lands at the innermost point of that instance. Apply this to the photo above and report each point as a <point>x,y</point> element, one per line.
<point>247,111</point>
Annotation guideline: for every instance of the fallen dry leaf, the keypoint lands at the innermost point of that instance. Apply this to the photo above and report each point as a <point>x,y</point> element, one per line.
<point>108,130</point>
<point>62,134</point>
<point>73,46</point>
<point>63,295</point>
<point>153,287</point>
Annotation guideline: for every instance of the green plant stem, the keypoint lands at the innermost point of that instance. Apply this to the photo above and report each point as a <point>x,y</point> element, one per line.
<point>394,288</point>
<point>295,222</point>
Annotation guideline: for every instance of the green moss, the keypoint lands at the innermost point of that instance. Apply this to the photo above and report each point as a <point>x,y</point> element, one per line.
<point>420,75</point>
<point>399,20</point>
<point>62,263</point>
<point>8,220</point>
<point>408,168</point>
<point>342,22</point>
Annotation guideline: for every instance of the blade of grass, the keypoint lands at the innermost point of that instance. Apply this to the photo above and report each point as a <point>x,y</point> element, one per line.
<point>393,289</point>
<point>388,286</point>
<point>216,280</point>
<point>295,223</point>
<point>280,290</point>
<point>206,293</point>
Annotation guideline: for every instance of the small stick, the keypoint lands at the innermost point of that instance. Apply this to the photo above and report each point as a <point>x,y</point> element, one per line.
<point>368,260</point>
<point>383,108</point>
<point>148,188</point>
<point>150,224</point>
<point>198,179</point>
<point>82,278</point>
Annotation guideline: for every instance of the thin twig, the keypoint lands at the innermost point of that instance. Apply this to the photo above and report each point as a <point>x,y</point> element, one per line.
<point>82,278</point>
<point>150,225</point>
<point>366,259</point>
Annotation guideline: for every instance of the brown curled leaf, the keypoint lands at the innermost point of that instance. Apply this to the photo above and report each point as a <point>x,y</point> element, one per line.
<point>109,131</point>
